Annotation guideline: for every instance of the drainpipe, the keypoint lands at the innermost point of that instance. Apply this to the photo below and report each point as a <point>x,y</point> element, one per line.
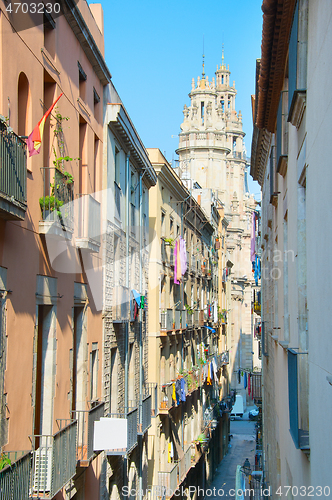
<point>140,413</point>
<point>182,344</point>
<point>127,282</point>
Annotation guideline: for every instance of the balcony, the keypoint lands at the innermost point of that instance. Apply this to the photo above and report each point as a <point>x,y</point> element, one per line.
<point>146,415</point>
<point>190,320</point>
<point>89,228</point>
<point>54,461</point>
<point>163,252</point>
<point>196,317</point>
<point>13,175</point>
<point>177,320</point>
<point>167,320</point>
<point>166,401</point>
<point>201,318</point>
<point>120,308</point>
<point>15,478</point>
<point>184,465</point>
<point>116,434</point>
<point>85,426</point>
<point>183,319</point>
<point>223,359</point>
<point>256,385</point>
<point>56,204</point>
<point>167,480</point>
<point>193,264</point>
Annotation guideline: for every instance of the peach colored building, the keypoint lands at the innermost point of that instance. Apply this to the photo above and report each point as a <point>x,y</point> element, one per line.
<point>51,319</point>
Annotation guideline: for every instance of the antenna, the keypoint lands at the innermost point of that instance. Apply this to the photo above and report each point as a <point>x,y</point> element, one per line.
<point>203,72</point>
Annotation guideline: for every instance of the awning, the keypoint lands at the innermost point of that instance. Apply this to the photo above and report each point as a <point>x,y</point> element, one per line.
<point>210,328</point>
<point>137,297</point>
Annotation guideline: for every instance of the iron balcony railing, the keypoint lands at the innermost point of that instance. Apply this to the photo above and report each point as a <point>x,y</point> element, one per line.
<point>56,204</point>
<point>13,171</point>
<point>163,251</point>
<point>201,318</point>
<point>190,320</point>
<point>256,385</point>
<point>170,319</point>
<point>89,228</point>
<point>196,317</point>
<point>15,477</point>
<point>152,390</point>
<point>132,426</point>
<point>183,319</point>
<point>167,479</point>
<point>54,461</point>
<point>117,201</point>
<point>193,264</point>
<point>165,397</point>
<point>85,425</point>
<point>184,465</point>
<point>177,319</point>
<point>146,414</point>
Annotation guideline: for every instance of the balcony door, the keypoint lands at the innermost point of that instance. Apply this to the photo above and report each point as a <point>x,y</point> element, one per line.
<point>45,370</point>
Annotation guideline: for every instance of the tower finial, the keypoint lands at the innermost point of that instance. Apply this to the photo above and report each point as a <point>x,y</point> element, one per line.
<point>222,56</point>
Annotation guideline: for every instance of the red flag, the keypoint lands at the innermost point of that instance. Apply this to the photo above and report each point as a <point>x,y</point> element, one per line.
<point>36,136</point>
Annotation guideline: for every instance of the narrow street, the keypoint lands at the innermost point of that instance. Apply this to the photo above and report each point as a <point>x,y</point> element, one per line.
<point>242,446</point>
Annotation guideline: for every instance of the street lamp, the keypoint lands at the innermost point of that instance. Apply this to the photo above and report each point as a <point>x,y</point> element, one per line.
<point>246,469</point>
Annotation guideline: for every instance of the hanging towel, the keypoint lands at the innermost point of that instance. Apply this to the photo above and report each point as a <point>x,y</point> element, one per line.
<point>214,364</point>
<point>239,377</point>
<point>249,384</point>
<point>178,260</point>
<point>173,393</point>
<point>183,389</point>
<point>209,382</point>
<point>245,380</point>
<point>175,255</point>
<point>178,391</point>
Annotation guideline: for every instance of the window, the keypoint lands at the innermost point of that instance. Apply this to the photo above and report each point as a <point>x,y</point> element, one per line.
<point>163,224</point>
<point>113,381</point>
<point>202,112</point>
<point>297,60</point>
<point>94,371</point>
<point>222,102</point>
<point>96,105</point>
<point>171,226</point>
<point>82,82</point>
<point>49,34</point>
<point>117,166</point>
<point>23,105</point>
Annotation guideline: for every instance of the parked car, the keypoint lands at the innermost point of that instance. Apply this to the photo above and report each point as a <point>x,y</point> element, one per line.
<point>237,410</point>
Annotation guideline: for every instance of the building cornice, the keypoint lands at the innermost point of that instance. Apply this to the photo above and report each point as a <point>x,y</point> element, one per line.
<point>119,121</point>
<point>83,34</point>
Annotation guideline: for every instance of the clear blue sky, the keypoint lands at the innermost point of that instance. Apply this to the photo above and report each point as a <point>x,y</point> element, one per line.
<point>154,48</point>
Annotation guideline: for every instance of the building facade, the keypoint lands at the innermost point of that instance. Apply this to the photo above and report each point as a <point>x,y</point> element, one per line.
<point>188,355</point>
<point>212,157</point>
<point>51,320</point>
<point>290,161</point>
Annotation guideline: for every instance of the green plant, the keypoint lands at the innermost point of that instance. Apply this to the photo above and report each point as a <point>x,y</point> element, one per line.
<point>169,241</point>
<point>4,461</point>
<point>50,203</point>
<point>189,309</point>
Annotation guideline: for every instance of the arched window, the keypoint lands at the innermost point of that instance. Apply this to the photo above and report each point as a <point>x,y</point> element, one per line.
<point>23,102</point>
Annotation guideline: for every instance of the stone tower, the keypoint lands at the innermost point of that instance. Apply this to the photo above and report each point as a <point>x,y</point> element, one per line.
<point>212,157</point>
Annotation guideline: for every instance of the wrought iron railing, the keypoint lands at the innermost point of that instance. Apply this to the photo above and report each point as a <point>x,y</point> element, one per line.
<point>183,319</point>
<point>13,166</point>
<point>54,461</point>
<point>146,413</point>
<point>190,320</point>
<point>177,319</point>
<point>85,424</point>
<point>168,479</point>
<point>165,398</point>
<point>56,204</point>
<point>132,418</point>
<point>170,320</point>
<point>184,464</point>
<point>15,478</point>
<point>196,317</point>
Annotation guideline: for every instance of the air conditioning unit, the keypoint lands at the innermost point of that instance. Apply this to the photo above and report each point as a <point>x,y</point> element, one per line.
<point>42,473</point>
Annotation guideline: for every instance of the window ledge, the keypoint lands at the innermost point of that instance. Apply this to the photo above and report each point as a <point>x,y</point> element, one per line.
<point>297,108</point>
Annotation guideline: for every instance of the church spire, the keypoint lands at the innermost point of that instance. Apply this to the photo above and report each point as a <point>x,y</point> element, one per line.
<point>222,56</point>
